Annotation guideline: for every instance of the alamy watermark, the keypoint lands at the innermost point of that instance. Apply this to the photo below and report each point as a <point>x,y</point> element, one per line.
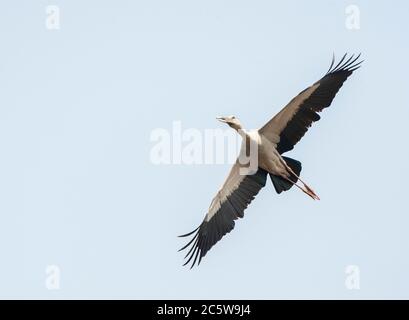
<point>210,146</point>
<point>353,17</point>
<point>353,277</point>
<point>52,20</point>
<point>53,275</point>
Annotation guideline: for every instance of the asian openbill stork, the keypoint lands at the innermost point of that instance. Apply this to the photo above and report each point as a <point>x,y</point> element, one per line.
<point>276,137</point>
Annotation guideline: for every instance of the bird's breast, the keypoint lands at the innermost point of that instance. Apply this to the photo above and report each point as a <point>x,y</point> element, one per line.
<point>269,157</point>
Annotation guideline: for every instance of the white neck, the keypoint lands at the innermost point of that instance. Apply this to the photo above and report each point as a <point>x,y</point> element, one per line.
<point>242,132</point>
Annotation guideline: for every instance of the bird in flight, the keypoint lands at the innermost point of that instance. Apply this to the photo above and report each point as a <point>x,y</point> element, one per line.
<point>277,136</point>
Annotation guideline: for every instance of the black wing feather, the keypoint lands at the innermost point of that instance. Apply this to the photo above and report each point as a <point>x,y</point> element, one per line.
<point>321,98</point>
<point>222,222</point>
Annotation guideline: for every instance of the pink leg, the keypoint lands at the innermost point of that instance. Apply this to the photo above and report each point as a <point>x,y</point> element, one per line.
<point>306,190</point>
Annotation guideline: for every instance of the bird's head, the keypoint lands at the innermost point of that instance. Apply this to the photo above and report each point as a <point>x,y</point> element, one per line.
<point>232,121</point>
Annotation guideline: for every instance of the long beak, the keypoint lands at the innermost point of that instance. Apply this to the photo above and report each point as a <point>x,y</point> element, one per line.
<point>221,119</point>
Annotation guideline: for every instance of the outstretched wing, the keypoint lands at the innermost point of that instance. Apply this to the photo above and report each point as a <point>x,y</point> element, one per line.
<point>229,204</point>
<point>293,121</point>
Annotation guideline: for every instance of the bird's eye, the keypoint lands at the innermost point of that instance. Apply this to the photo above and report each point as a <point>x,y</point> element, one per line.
<point>233,117</point>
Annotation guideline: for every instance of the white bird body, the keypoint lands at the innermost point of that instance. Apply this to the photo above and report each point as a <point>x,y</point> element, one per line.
<point>277,136</point>
<point>269,158</point>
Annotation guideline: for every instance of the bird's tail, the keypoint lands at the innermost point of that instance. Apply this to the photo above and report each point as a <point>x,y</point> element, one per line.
<point>280,184</point>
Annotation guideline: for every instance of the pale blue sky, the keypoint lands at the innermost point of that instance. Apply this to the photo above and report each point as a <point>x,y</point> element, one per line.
<point>77,107</point>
